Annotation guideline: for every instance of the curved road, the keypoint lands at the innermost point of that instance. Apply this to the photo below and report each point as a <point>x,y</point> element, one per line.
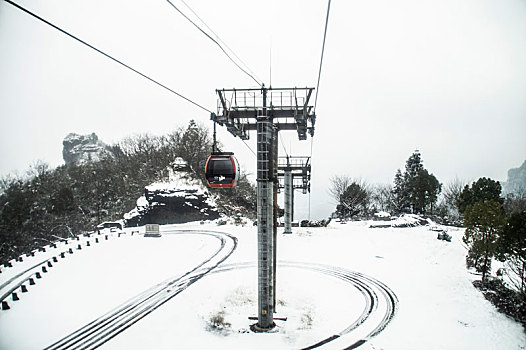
<point>380,302</point>
<point>108,326</point>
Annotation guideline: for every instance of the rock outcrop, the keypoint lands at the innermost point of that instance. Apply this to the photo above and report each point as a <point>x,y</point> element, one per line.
<point>180,200</point>
<point>80,149</point>
<point>516,180</point>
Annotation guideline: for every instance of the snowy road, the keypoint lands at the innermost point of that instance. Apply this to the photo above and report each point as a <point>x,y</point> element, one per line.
<point>19,280</point>
<point>108,326</point>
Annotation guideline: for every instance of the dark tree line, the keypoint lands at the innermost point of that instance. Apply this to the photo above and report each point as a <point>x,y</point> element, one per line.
<point>51,203</point>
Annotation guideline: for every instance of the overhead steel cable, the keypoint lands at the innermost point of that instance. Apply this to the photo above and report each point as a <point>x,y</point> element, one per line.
<point>222,42</point>
<point>216,42</point>
<point>318,84</point>
<point>283,144</point>
<point>105,54</point>
<point>250,148</point>
<point>322,51</point>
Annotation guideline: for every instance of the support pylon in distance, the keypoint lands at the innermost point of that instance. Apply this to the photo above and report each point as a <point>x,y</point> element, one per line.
<point>293,174</point>
<point>266,111</point>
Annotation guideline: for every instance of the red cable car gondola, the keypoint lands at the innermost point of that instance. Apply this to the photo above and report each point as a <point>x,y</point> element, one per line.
<point>222,170</point>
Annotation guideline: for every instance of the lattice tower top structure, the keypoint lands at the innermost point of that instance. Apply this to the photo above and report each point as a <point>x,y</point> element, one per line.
<point>288,108</point>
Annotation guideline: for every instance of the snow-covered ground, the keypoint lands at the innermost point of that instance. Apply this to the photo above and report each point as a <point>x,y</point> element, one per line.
<point>437,308</point>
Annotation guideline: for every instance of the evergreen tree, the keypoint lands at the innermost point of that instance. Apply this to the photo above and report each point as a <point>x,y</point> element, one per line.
<point>413,167</point>
<point>482,190</point>
<point>424,192</point>
<point>400,194</point>
<point>416,190</point>
<point>484,221</point>
<point>355,198</point>
<point>352,196</point>
<point>511,247</point>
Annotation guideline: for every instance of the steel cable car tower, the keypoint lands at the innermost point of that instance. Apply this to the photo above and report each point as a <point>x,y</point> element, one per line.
<point>267,111</point>
<point>291,169</point>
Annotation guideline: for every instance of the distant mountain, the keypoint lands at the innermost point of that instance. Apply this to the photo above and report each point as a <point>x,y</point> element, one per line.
<point>516,180</point>
<point>80,149</point>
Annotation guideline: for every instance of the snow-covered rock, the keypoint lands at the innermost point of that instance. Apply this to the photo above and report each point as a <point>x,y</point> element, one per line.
<point>181,199</point>
<point>80,149</point>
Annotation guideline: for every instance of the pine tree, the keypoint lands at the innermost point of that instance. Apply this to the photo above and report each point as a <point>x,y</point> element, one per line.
<point>413,167</point>
<point>400,195</point>
<point>512,248</point>
<point>355,198</point>
<point>425,192</point>
<point>484,222</point>
<point>482,190</point>
<point>416,190</point>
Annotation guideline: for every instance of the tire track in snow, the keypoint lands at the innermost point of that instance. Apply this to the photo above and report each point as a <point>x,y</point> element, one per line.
<point>381,303</point>
<point>108,326</point>
<point>370,322</point>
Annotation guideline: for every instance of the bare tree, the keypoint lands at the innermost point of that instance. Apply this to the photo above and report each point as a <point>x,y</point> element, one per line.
<point>339,184</point>
<point>515,202</point>
<point>381,195</point>
<point>451,194</point>
<point>37,169</point>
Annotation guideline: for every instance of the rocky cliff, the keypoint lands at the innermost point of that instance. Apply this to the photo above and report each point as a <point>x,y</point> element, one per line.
<point>80,149</point>
<point>516,180</point>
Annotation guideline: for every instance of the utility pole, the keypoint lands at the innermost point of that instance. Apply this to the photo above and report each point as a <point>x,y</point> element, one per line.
<point>267,111</point>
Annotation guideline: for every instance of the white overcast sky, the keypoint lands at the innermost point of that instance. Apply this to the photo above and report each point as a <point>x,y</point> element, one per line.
<point>446,77</point>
